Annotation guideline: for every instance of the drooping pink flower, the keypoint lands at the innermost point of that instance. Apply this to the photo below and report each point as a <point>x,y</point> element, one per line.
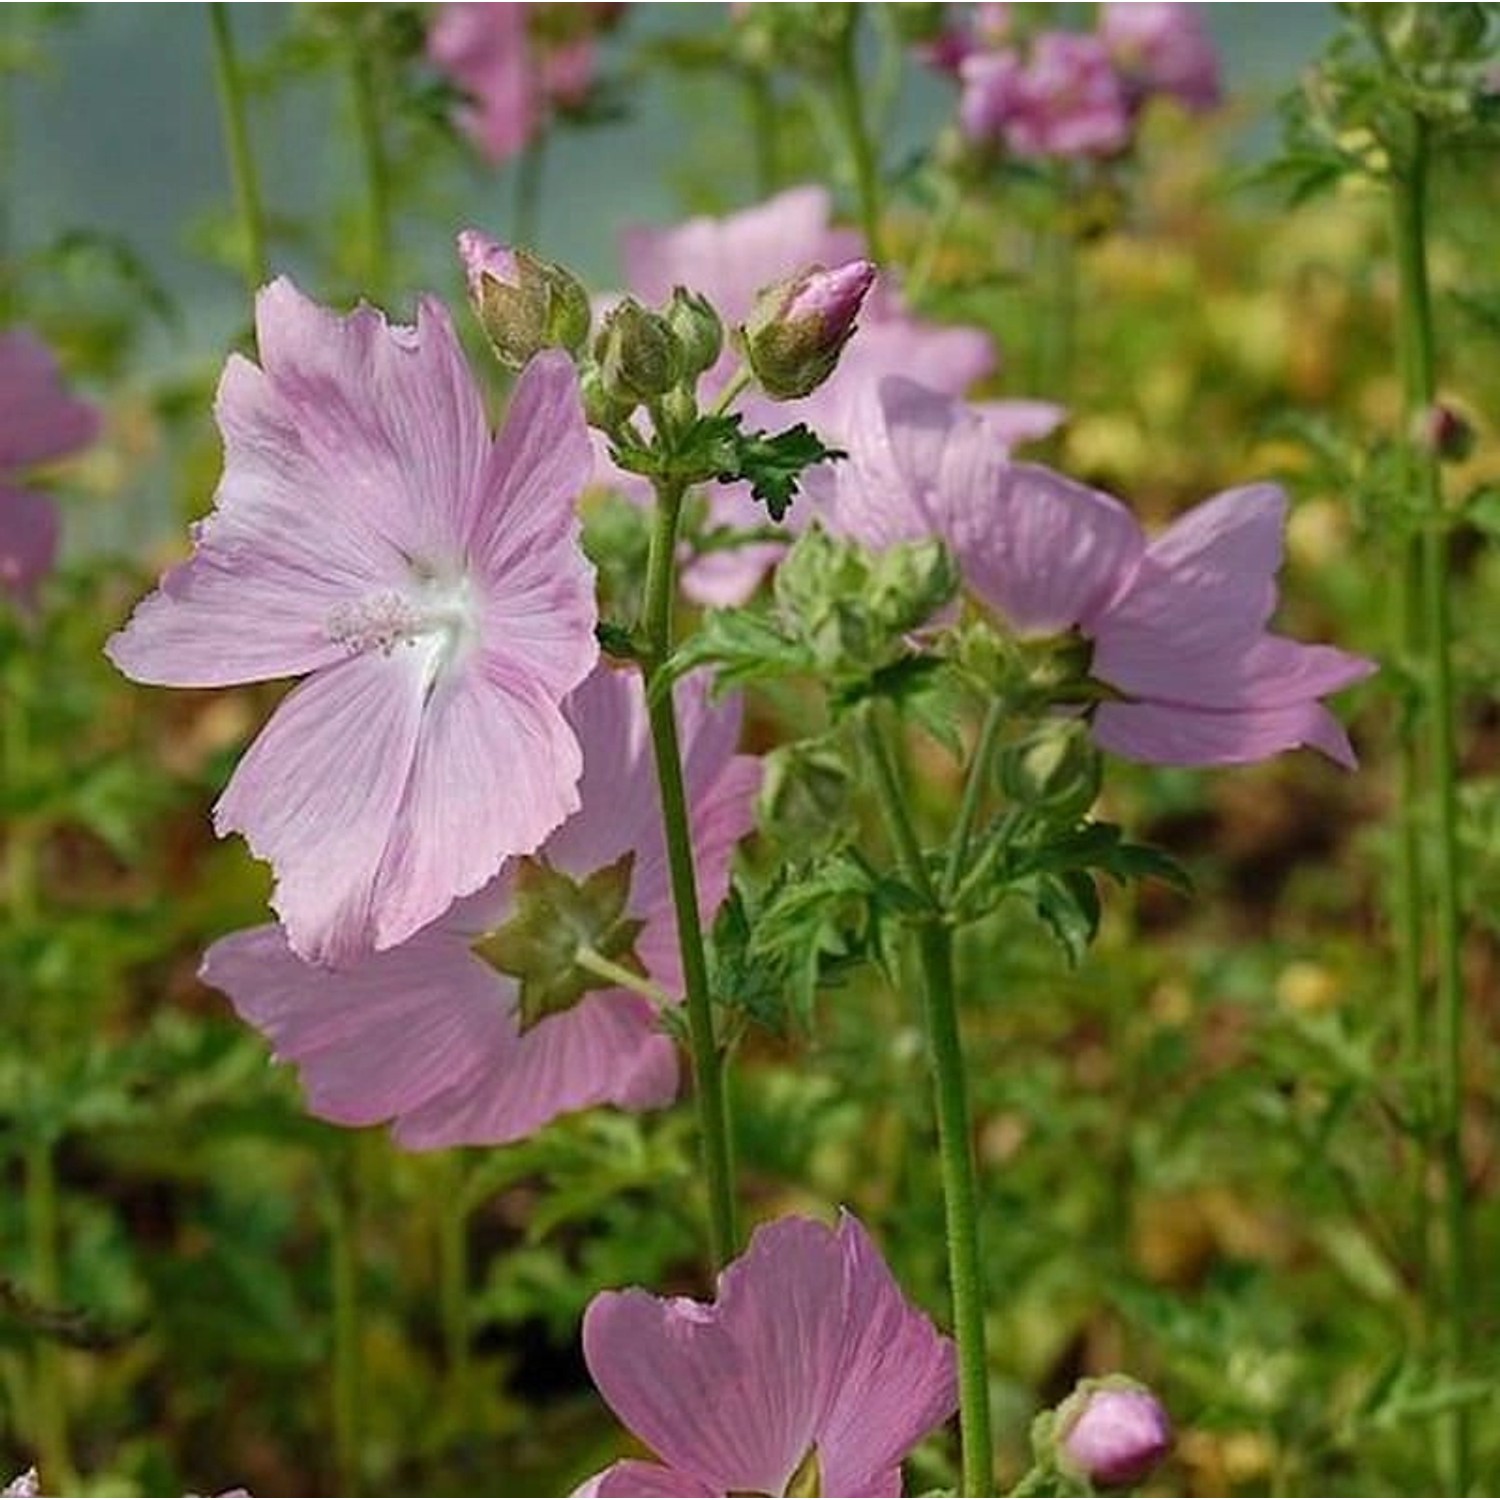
<point>1177,624</point>
<point>39,421</point>
<point>513,67</point>
<point>432,1036</point>
<point>729,261</point>
<point>371,535</point>
<point>1064,98</point>
<point>808,1364</point>
<point>1162,49</point>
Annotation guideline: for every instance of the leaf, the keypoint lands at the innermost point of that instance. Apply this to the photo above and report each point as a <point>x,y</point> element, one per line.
<point>1069,906</point>
<point>773,464</point>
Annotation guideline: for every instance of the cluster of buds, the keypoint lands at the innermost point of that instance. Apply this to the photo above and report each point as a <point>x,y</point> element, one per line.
<point>791,341</point>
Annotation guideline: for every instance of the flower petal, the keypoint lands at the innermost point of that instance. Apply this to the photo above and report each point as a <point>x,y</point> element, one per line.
<point>28,540</point>
<point>897,1377</point>
<point>734,1391</point>
<point>375,1041</point>
<point>1170,735</point>
<point>609,1049</point>
<point>635,1478</point>
<point>318,791</point>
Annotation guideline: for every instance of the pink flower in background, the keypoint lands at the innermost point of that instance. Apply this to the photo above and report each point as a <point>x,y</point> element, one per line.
<point>1162,49</point>
<point>370,535</point>
<point>1178,625</point>
<point>39,421</point>
<point>809,1364</point>
<point>431,1035</point>
<point>729,260</point>
<point>1063,99</point>
<point>1112,1432</point>
<point>516,62</point>
<point>970,29</point>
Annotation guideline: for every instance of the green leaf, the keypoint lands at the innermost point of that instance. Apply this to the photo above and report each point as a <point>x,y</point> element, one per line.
<point>773,464</point>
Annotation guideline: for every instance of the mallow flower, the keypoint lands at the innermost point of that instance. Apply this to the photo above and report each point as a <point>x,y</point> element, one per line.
<point>809,1374</point>
<point>1162,47</point>
<point>730,261</point>
<point>424,577</point>
<point>1176,626</point>
<point>500,1016</point>
<point>39,421</point>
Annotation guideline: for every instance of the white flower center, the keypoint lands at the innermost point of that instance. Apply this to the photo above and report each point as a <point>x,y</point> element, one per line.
<point>436,611</point>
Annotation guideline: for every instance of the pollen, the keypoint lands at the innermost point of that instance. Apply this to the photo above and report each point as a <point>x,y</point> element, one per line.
<point>378,622</point>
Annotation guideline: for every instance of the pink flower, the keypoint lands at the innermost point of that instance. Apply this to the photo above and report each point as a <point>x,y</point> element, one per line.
<point>1112,1432</point>
<point>729,261</point>
<point>1162,49</point>
<point>512,70</point>
<point>809,1363</point>
<point>1064,99</point>
<point>22,1487</point>
<point>978,28</point>
<point>39,422</point>
<point>434,1037</point>
<point>425,577</point>
<point>1177,625</point>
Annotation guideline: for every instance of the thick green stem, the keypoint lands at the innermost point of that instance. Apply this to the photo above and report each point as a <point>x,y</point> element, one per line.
<point>708,1065</point>
<point>955,1145</point>
<point>1439,715</point>
<point>231,91</point>
<point>849,101</point>
<point>366,92</point>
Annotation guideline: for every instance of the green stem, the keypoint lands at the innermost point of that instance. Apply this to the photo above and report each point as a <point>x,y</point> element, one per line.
<point>529,188</point>
<point>973,798</point>
<point>708,1066</point>
<point>344,1272</point>
<point>849,102</point>
<point>1419,366</point>
<point>364,84</point>
<point>453,1274</point>
<point>43,1233</point>
<point>737,383</point>
<point>242,172</point>
<point>627,979</point>
<point>955,1145</point>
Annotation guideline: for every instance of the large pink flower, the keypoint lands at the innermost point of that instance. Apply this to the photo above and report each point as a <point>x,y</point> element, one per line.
<point>39,421</point>
<point>1162,48</point>
<point>1177,625</point>
<point>370,534</point>
<point>431,1035</point>
<point>729,260</point>
<point>512,76</point>
<point>809,1356</point>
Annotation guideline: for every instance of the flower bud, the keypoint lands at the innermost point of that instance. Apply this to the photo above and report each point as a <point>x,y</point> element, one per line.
<point>1056,768</point>
<point>524,304</point>
<point>1444,433</point>
<point>698,330</point>
<point>798,327</point>
<point>639,355</point>
<point>600,409</point>
<point>1112,1432</point>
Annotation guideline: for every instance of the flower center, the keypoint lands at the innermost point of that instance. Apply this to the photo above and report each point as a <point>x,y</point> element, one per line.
<point>436,609</point>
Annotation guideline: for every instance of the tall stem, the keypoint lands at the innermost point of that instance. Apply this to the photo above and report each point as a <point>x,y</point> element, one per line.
<point>242,172</point>
<point>1419,367</point>
<point>849,101</point>
<point>43,1236</point>
<point>376,166</point>
<point>708,1066</point>
<point>343,1249</point>
<point>955,1144</point>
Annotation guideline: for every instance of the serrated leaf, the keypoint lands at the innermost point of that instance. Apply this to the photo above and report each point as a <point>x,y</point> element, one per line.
<point>774,463</point>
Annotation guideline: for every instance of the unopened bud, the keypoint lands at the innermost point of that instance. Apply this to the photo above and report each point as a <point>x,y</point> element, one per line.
<point>1056,768</point>
<point>1111,1432</point>
<point>798,327</point>
<point>639,355</point>
<point>524,304</point>
<point>600,409</point>
<point>698,329</point>
<point>1444,433</point>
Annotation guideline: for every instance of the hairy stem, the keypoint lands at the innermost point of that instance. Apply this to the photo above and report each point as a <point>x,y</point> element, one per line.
<point>1439,712</point>
<point>955,1146</point>
<point>247,201</point>
<point>708,1064</point>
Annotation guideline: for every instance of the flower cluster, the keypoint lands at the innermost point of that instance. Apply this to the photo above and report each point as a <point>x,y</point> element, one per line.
<point>39,421</point>
<point>1074,94</point>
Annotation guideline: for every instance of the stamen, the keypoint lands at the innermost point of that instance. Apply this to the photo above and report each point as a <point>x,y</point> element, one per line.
<point>378,621</point>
